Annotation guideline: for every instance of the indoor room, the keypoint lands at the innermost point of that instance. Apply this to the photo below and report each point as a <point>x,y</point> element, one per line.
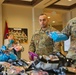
<point>21,17</point>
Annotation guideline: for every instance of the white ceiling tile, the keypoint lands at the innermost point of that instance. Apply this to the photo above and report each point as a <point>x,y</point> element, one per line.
<point>66,2</point>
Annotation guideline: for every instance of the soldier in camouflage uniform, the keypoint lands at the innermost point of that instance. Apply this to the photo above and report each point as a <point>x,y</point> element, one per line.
<point>41,43</point>
<point>70,30</point>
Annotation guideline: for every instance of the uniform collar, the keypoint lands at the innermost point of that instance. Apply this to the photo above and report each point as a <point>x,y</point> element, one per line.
<point>46,30</point>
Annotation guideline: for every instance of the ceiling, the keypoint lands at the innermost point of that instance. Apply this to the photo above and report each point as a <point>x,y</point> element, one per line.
<point>57,4</point>
<point>62,7</point>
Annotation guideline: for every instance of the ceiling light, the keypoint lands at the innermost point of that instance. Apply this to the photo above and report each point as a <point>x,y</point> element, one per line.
<point>69,0</point>
<point>53,21</point>
<point>48,16</point>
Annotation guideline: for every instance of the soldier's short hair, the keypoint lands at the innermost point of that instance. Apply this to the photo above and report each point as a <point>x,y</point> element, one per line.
<point>42,14</point>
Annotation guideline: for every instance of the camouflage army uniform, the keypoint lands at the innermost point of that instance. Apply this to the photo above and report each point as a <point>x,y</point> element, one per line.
<point>70,30</point>
<point>41,43</point>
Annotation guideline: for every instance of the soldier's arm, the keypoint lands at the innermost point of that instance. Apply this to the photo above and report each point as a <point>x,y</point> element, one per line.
<point>67,30</point>
<point>56,47</point>
<point>32,45</point>
<point>31,48</point>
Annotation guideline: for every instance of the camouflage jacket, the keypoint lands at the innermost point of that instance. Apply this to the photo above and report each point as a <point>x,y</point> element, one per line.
<point>42,44</point>
<point>70,30</point>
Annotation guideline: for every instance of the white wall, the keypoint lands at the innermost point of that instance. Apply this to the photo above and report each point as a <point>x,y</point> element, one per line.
<point>68,15</point>
<point>0,25</point>
<point>1,40</point>
<point>37,12</point>
<point>19,17</point>
<point>73,11</point>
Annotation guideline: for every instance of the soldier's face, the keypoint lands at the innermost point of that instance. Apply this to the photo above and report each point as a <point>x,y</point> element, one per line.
<point>43,20</point>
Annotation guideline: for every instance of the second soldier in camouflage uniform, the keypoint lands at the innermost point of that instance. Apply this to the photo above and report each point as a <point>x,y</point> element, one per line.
<point>41,43</point>
<point>70,30</point>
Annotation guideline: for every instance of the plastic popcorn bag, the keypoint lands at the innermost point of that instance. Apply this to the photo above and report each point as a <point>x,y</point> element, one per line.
<point>57,37</point>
